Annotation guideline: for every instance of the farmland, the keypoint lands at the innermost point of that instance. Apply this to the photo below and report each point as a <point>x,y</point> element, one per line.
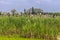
<point>6,38</point>
<point>29,27</point>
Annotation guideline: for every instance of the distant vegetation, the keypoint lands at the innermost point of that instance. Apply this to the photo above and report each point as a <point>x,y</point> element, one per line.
<point>31,11</point>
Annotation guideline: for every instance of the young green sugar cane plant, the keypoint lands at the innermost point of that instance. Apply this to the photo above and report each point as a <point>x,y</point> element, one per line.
<point>30,27</point>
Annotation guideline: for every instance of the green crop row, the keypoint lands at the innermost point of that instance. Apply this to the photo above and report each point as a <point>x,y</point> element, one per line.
<point>30,27</point>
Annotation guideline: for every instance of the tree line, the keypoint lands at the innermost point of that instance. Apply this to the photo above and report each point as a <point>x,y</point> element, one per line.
<point>30,11</point>
<point>33,11</point>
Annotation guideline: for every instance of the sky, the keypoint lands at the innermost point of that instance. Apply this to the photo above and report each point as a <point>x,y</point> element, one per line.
<point>20,5</point>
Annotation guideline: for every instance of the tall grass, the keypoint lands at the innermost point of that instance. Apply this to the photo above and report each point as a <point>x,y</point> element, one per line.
<point>29,27</point>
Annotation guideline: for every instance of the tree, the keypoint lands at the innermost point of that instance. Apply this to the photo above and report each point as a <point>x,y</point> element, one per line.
<point>24,11</point>
<point>13,11</point>
<point>21,13</point>
<point>53,15</point>
<point>17,14</point>
<point>8,14</point>
<point>34,10</point>
<point>0,13</point>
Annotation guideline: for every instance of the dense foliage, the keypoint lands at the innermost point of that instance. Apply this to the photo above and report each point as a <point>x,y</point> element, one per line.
<point>29,27</point>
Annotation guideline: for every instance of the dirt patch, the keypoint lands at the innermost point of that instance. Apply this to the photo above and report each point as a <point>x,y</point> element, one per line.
<point>58,37</point>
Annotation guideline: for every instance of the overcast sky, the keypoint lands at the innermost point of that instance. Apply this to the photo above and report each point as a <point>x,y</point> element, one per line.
<point>19,5</point>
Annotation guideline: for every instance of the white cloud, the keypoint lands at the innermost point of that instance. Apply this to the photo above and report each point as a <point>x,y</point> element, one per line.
<point>37,1</point>
<point>43,1</point>
<point>4,2</point>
